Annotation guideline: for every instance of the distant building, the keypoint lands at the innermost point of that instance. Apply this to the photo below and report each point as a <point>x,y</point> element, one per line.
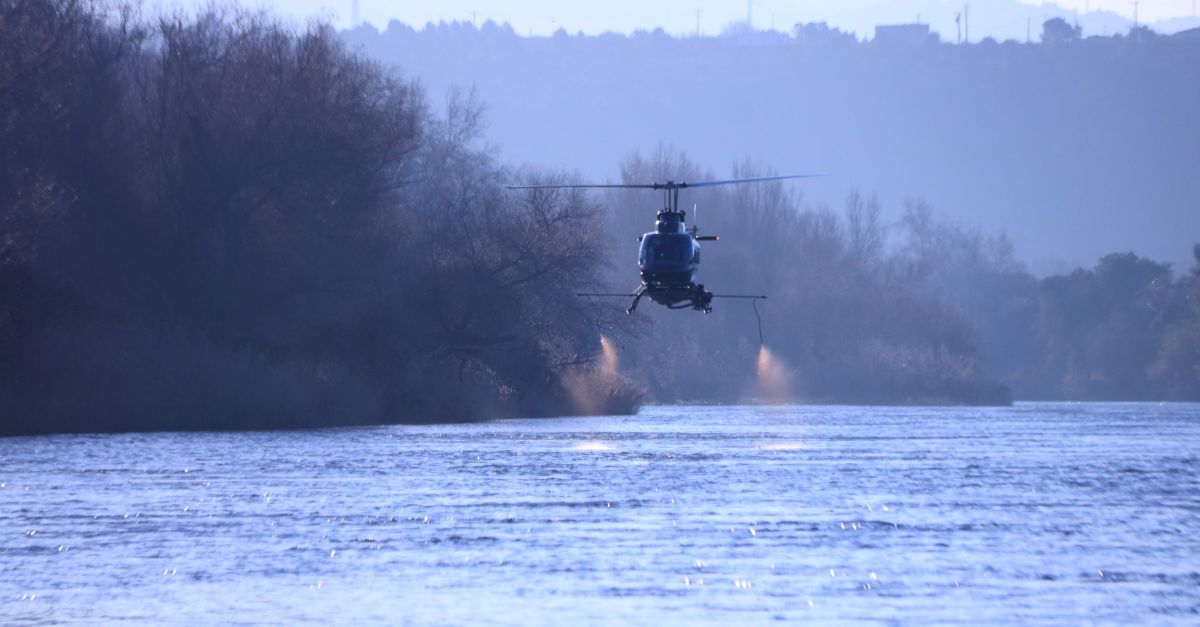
<point>1191,34</point>
<point>904,34</point>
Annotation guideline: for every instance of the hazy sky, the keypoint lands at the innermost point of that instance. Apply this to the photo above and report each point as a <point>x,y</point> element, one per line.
<point>679,16</point>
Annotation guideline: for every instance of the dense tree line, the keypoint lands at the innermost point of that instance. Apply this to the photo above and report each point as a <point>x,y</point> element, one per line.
<point>1123,329</point>
<point>218,222</point>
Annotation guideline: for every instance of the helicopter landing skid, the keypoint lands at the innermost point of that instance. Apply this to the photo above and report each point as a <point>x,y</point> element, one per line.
<point>637,297</point>
<point>694,297</point>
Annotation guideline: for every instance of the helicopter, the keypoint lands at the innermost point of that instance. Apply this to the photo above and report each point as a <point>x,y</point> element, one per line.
<point>669,256</point>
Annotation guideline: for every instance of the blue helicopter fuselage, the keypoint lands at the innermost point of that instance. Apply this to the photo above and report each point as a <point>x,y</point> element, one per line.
<point>668,259</point>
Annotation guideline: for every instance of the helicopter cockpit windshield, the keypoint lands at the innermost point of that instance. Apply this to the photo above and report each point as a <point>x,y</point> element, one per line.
<point>667,251</point>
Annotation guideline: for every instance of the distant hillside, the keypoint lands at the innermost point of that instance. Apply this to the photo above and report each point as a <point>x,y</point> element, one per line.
<point>1075,148</point>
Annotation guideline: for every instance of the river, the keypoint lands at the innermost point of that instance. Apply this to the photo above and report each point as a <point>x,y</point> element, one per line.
<point>1056,513</point>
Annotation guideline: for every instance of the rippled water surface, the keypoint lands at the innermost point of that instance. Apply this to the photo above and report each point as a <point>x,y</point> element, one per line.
<point>731,515</point>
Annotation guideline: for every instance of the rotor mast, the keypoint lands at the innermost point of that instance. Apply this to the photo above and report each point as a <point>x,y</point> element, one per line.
<point>671,196</point>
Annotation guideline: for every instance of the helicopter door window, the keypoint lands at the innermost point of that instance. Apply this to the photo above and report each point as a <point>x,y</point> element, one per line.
<point>652,249</point>
<point>665,249</point>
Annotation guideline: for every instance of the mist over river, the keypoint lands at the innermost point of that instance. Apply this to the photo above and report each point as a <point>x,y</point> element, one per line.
<point>719,515</point>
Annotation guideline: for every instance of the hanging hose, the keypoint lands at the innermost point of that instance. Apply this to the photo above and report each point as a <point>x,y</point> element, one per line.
<point>754,304</point>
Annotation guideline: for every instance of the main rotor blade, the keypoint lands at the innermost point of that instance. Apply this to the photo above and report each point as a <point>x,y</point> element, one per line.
<point>613,294</point>
<point>757,179</point>
<point>753,296</point>
<point>668,184</point>
<point>650,186</point>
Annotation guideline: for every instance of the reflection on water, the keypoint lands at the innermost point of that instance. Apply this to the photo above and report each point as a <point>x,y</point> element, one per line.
<point>730,515</point>
<point>592,446</point>
<point>782,446</point>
